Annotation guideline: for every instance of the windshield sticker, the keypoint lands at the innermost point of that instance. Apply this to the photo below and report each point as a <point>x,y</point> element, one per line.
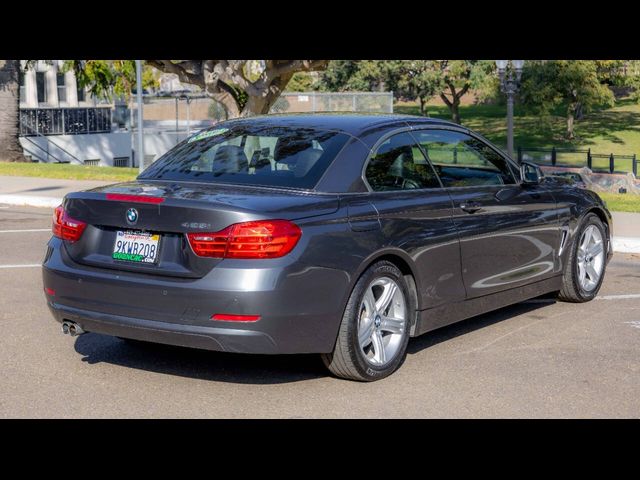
<point>207,134</point>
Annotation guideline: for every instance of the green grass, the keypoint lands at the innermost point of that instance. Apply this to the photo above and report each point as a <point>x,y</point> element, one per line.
<point>67,171</point>
<point>621,202</point>
<point>613,130</point>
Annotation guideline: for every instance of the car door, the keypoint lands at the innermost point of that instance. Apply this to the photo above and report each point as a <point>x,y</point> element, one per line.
<point>509,233</point>
<point>415,215</point>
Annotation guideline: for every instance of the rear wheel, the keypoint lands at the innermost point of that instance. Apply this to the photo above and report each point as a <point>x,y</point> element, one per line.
<point>373,336</point>
<point>586,262</point>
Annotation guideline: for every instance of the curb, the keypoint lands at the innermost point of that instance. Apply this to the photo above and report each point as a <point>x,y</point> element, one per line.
<point>620,244</point>
<point>30,201</point>
<point>626,244</point>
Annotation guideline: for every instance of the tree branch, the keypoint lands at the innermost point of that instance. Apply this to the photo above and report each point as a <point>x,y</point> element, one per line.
<point>187,71</point>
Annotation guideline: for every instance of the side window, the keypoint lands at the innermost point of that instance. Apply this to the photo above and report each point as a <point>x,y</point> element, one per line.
<point>398,164</point>
<point>463,161</point>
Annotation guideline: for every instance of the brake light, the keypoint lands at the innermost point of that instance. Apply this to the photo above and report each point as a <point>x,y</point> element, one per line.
<point>226,317</point>
<point>65,227</point>
<point>121,197</point>
<point>259,239</point>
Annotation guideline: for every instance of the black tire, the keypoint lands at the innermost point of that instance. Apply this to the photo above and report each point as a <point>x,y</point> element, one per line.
<point>571,290</point>
<point>347,359</point>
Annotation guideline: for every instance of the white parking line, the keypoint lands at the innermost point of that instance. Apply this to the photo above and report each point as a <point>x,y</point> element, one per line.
<point>28,265</point>
<point>27,230</point>
<point>618,297</point>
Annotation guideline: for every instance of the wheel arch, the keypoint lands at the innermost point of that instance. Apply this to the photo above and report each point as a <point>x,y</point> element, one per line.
<point>602,215</point>
<point>404,262</point>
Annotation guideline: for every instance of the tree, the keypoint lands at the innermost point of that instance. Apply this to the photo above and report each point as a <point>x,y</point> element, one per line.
<point>301,82</point>
<point>457,77</point>
<point>414,79</point>
<point>230,82</point>
<point>105,78</point>
<point>354,75</point>
<point>10,149</point>
<point>234,84</point>
<point>574,84</point>
<point>411,79</point>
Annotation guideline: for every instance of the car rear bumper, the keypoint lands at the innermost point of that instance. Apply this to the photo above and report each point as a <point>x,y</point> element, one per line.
<point>300,306</point>
<point>207,338</point>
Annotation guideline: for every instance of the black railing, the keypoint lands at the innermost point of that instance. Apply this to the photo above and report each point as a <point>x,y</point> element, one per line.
<point>559,157</point>
<point>64,121</point>
<point>121,162</point>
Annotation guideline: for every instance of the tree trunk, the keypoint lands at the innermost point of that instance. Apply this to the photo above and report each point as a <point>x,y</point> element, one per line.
<point>261,104</point>
<point>455,110</point>
<point>570,121</point>
<point>453,105</point>
<point>422,104</point>
<point>228,102</point>
<point>10,149</point>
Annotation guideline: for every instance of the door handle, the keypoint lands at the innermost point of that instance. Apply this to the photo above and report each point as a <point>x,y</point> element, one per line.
<point>471,207</point>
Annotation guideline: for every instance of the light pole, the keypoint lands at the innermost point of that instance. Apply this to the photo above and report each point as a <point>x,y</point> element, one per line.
<point>509,84</point>
<point>140,124</point>
<point>188,99</point>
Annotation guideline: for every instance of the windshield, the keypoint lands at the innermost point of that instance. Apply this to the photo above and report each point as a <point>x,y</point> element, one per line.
<point>245,154</point>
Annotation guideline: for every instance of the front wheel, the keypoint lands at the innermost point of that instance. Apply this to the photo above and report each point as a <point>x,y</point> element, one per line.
<point>373,336</point>
<point>586,262</point>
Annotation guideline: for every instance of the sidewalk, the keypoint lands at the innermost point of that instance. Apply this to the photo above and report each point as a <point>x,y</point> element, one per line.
<point>41,192</point>
<point>48,192</point>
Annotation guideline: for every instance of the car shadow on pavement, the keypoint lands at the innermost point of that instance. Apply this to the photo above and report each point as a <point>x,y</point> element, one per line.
<point>199,364</point>
<point>254,369</point>
<point>416,345</point>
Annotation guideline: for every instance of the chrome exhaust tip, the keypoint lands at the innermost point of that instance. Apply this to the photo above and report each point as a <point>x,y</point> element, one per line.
<point>72,328</point>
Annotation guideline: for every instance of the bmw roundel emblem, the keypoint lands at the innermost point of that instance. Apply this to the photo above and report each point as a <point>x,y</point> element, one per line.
<point>132,216</point>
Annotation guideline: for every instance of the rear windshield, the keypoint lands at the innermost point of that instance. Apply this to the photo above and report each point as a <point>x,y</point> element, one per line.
<point>242,154</point>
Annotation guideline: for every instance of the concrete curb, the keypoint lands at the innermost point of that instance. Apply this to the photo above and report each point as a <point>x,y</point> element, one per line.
<point>620,244</point>
<point>626,244</point>
<point>30,201</point>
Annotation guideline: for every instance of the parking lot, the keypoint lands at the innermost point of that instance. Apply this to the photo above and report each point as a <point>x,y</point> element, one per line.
<point>535,359</point>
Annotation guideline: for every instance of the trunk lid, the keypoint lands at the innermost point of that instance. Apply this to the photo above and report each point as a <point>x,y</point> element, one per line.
<point>180,207</point>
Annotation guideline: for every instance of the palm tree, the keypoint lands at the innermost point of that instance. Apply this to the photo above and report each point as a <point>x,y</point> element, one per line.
<point>10,149</point>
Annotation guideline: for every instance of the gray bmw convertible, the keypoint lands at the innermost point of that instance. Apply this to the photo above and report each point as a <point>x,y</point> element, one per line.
<point>342,235</point>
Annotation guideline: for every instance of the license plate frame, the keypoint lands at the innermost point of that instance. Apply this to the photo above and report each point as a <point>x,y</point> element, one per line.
<point>137,253</point>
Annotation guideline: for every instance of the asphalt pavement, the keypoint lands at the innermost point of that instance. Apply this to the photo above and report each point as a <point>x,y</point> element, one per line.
<point>536,359</point>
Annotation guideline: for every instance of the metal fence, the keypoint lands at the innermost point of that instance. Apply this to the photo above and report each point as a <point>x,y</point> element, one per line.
<point>568,157</point>
<point>64,121</point>
<point>299,102</point>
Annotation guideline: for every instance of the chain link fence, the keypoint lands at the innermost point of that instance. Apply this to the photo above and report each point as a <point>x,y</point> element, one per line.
<point>300,102</point>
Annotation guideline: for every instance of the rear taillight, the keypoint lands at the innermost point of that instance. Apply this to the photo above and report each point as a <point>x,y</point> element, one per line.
<point>259,239</point>
<point>65,227</point>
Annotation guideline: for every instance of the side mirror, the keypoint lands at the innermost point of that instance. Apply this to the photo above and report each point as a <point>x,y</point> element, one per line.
<point>530,174</point>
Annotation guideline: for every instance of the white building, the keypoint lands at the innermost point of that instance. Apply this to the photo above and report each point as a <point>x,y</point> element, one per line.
<point>60,122</point>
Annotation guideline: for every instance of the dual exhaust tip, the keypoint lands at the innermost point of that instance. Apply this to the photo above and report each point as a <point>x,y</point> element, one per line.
<point>72,328</point>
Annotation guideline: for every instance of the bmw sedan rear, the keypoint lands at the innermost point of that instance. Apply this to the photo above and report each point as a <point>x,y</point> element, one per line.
<point>214,246</point>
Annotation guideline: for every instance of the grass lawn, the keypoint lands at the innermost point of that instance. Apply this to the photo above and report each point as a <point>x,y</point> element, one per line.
<point>621,202</point>
<point>68,171</point>
<point>614,130</point>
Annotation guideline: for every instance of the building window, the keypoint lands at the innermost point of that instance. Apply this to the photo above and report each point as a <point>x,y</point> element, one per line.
<point>81,94</point>
<point>23,93</point>
<point>41,83</point>
<point>62,88</point>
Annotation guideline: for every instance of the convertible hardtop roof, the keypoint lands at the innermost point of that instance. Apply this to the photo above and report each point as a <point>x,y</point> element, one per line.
<point>351,123</point>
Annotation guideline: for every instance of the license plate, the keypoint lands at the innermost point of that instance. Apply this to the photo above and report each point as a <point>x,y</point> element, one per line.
<point>138,247</point>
